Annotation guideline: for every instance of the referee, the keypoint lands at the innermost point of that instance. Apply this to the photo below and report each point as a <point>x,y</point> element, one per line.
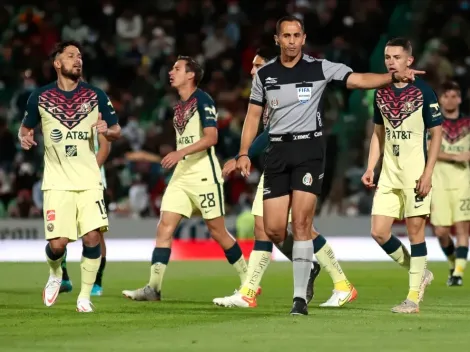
<point>292,86</point>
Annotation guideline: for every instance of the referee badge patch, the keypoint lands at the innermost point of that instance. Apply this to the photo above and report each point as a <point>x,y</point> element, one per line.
<point>274,103</point>
<point>304,94</point>
<point>307,179</point>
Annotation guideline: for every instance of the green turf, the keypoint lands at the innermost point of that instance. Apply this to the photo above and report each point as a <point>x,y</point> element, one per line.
<point>187,321</point>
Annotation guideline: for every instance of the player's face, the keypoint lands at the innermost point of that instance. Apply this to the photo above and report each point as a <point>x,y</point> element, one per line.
<point>397,58</point>
<point>70,63</point>
<point>258,62</point>
<point>291,38</point>
<point>178,74</point>
<point>450,100</point>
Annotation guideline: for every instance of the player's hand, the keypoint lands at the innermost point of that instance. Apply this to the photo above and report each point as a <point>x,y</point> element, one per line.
<point>368,179</point>
<point>27,141</point>
<point>101,125</point>
<point>462,157</point>
<point>423,185</point>
<point>244,165</point>
<point>172,159</point>
<point>229,167</point>
<point>408,75</point>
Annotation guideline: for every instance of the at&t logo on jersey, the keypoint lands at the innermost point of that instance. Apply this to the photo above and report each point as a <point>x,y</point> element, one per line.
<point>304,94</point>
<point>56,135</point>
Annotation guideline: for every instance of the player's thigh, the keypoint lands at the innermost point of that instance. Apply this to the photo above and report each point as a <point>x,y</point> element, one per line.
<point>388,202</point>
<point>60,214</point>
<point>276,174</point>
<point>460,200</point>
<point>275,217</point>
<point>416,206</point>
<point>176,199</point>
<point>91,212</point>
<point>442,208</point>
<point>209,199</point>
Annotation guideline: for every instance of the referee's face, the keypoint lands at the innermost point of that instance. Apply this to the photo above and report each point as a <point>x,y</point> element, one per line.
<point>258,62</point>
<point>290,38</point>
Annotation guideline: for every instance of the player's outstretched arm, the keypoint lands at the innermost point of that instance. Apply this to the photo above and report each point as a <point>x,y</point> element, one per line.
<point>377,80</point>
<point>103,150</point>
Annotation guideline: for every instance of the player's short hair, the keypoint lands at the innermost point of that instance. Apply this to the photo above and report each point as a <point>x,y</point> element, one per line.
<point>402,42</point>
<point>267,52</point>
<point>193,66</point>
<point>60,47</point>
<point>448,86</point>
<point>289,18</point>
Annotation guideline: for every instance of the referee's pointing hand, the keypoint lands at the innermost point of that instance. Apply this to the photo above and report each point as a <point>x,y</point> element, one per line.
<point>408,75</point>
<point>244,165</point>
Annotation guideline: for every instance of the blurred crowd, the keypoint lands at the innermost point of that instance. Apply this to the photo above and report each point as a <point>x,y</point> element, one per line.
<point>129,49</point>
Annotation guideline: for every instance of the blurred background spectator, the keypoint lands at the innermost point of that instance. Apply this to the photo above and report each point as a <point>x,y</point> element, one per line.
<point>130,47</point>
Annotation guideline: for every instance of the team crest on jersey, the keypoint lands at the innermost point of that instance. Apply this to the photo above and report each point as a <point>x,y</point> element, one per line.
<point>183,113</point>
<point>454,131</point>
<point>68,111</point>
<point>397,107</point>
<point>304,94</point>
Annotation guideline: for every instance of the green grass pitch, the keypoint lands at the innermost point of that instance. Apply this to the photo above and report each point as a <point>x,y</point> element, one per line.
<point>186,320</point>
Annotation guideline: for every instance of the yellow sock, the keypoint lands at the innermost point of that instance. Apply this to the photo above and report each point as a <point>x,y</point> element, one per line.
<point>54,262</point>
<point>89,268</point>
<point>461,254</point>
<point>157,271</point>
<point>257,265</point>
<point>451,261</point>
<point>417,266</point>
<point>242,269</point>
<point>326,258</point>
<point>402,257</point>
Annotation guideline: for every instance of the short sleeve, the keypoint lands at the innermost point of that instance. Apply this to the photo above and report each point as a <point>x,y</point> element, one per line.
<point>335,72</point>
<point>378,118</point>
<point>31,116</point>
<point>207,111</point>
<point>432,115</point>
<point>106,108</point>
<point>257,91</point>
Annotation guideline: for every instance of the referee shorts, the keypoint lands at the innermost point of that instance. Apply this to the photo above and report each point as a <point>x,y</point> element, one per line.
<point>294,162</point>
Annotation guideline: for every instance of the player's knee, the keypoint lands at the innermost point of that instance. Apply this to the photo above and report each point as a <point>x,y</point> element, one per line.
<point>302,228</point>
<point>58,245</point>
<point>275,233</point>
<point>92,238</point>
<point>441,231</point>
<point>260,235</point>
<point>380,236</point>
<point>165,229</point>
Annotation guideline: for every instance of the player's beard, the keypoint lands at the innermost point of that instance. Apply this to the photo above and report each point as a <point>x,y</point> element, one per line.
<point>74,76</point>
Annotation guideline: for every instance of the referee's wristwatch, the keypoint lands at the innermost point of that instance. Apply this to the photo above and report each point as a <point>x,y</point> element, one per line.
<point>239,156</point>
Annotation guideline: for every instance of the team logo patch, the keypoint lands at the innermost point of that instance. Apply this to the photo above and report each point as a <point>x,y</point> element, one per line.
<point>183,113</point>
<point>56,135</point>
<point>397,107</point>
<point>304,94</point>
<point>50,227</point>
<point>274,103</point>
<point>50,215</point>
<point>307,179</point>
<point>71,150</point>
<point>68,111</point>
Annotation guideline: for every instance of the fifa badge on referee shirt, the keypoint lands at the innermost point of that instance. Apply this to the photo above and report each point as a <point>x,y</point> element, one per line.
<point>304,94</point>
<point>307,179</point>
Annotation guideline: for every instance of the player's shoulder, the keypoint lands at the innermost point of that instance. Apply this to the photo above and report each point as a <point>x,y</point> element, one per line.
<point>99,92</point>
<point>38,91</point>
<point>203,97</point>
<point>424,87</point>
<point>270,68</point>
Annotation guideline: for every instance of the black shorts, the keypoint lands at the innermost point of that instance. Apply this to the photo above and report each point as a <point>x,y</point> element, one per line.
<point>294,162</point>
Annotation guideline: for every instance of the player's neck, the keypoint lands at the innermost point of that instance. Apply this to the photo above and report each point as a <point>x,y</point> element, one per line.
<point>66,84</point>
<point>452,115</point>
<point>289,61</point>
<point>185,92</point>
<point>400,85</point>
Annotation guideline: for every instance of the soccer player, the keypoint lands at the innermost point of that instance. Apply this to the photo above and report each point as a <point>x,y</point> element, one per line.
<point>197,180</point>
<point>261,255</point>
<point>293,85</point>
<point>102,150</point>
<point>70,113</point>
<point>450,203</point>
<point>403,113</point>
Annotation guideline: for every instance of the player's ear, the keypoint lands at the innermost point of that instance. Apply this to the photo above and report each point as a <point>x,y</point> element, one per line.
<point>276,39</point>
<point>410,60</point>
<point>303,40</point>
<point>191,75</point>
<point>56,64</point>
